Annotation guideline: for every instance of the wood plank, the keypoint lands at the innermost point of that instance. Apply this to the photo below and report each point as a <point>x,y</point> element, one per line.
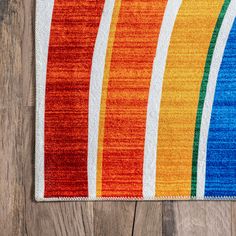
<point>28,54</point>
<point>11,185</point>
<point>168,218</point>
<point>233,222</point>
<point>114,218</point>
<point>218,218</point>
<point>197,218</point>
<point>148,219</point>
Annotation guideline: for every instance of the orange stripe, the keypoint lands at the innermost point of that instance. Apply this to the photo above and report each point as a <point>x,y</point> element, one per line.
<point>186,60</point>
<point>104,95</point>
<point>125,93</point>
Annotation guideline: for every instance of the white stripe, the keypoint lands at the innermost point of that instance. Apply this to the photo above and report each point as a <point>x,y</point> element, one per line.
<point>210,92</point>
<point>44,10</point>
<point>95,93</point>
<point>153,109</point>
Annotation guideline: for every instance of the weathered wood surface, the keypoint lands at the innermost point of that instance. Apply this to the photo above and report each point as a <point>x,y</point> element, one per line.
<point>19,214</point>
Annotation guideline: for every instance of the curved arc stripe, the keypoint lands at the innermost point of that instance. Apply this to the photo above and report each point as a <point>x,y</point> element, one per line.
<point>103,98</point>
<point>44,11</point>
<point>153,109</point>
<point>203,94</point>
<point>95,93</point>
<point>209,97</point>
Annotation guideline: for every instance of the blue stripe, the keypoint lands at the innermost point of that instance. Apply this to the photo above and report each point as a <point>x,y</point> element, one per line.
<point>221,146</point>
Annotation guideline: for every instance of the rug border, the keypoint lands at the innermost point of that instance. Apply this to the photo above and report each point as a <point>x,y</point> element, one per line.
<point>42,36</point>
<point>179,198</point>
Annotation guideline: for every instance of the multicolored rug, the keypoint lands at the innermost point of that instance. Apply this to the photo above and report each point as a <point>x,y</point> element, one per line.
<point>135,99</point>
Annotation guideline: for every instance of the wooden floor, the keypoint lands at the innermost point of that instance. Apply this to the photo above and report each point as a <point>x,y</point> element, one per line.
<point>20,214</point>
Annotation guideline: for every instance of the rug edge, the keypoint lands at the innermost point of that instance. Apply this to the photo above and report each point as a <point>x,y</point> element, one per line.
<point>168,198</point>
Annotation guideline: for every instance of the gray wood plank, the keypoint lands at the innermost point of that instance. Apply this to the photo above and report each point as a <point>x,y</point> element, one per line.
<point>11,180</point>
<point>148,219</point>
<point>197,218</point>
<point>218,218</point>
<point>28,54</point>
<point>233,222</point>
<point>168,218</point>
<point>114,218</point>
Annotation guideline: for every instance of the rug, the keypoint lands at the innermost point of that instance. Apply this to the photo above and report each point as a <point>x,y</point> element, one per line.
<point>135,100</point>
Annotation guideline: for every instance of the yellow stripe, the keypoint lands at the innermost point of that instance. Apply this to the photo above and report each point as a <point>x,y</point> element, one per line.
<point>186,60</point>
<point>115,17</point>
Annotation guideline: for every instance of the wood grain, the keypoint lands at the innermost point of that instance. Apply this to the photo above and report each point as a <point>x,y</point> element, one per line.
<point>197,218</point>
<point>233,220</point>
<point>114,218</point>
<point>148,219</point>
<point>20,214</point>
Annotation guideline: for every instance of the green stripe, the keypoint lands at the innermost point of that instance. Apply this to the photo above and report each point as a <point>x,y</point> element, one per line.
<point>203,95</point>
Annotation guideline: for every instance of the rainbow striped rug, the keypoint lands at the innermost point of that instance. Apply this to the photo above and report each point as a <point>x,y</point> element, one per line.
<point>135,99</point>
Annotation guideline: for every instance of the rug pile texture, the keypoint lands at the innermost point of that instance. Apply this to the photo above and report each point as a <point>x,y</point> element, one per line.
<point>136,100</point>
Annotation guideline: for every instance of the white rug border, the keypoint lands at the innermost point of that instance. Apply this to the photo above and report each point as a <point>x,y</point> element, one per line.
<point>179,198</point>
<point>44,9</point>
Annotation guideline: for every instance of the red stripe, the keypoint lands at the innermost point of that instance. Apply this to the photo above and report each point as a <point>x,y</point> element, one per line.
<point>73,34</point>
